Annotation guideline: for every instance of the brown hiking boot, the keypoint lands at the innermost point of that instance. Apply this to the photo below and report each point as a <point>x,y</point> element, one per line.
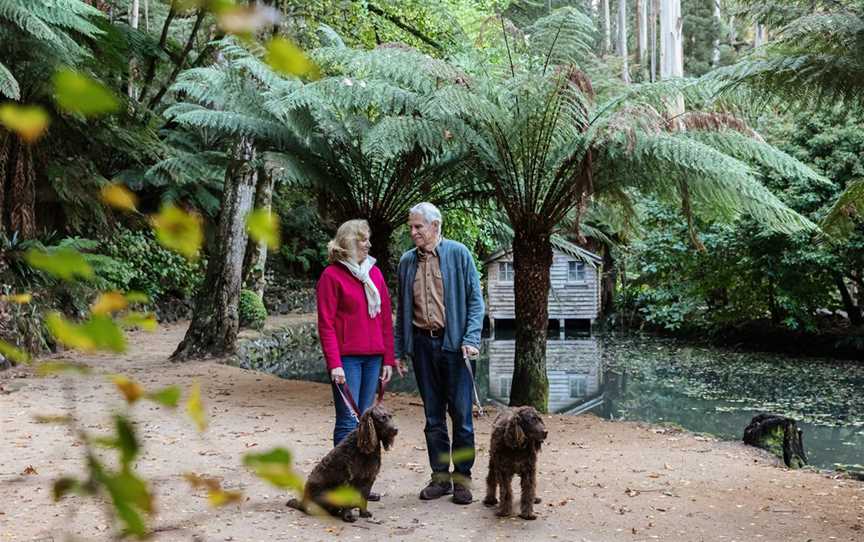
<point>437,488</point>
<point>462,494</point>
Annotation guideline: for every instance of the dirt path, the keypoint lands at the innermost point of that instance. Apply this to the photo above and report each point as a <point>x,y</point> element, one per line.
<point>599,480</point>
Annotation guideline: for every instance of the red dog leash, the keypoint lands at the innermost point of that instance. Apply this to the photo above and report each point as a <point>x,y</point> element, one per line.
<point>348,399</point>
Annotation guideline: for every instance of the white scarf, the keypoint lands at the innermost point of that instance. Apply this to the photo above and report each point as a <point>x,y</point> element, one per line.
<point>361,273</point>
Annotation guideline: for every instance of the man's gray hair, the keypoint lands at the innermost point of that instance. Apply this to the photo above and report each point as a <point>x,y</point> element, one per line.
<point>429,212</point>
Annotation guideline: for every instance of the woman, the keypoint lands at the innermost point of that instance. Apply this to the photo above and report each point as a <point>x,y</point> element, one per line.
<point>355,322</point>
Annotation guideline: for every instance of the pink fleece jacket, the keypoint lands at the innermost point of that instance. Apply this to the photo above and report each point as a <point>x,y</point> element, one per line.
<point>344,325</point>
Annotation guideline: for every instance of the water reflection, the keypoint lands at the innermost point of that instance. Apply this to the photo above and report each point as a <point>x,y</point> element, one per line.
<point>573,367</point>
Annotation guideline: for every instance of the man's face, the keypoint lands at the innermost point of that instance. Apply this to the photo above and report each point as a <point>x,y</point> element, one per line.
<point>423,234</point>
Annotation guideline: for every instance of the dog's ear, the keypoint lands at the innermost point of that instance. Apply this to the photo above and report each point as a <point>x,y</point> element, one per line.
<point>367,437</point>
<point>515,434</point>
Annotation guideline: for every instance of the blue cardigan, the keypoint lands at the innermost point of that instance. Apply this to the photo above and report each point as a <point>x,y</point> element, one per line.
<point>463,299</point>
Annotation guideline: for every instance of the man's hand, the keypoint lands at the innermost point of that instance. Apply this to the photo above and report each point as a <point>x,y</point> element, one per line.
<point>337,375</point>
<point>386,374</point>
<point>401,367</point>
<point>470,352</point>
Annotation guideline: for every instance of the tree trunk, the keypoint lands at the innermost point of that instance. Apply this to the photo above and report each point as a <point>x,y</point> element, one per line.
<point>22,190</point>
<point>532,258</point>
<point>133,66</point>
<point>607,28</point>
<point>853,310</point>
<point>642,35</point>
<point>607,285</point>
<point>715,54</point>
<point>382,235</point>
<point>622,40</point>
<point>5,150</point>
<point>780,436</point>
<point>652,22</point>
<point>671,40</point>
<point>255,263</point>
<point>215,321</point>
<point>758,36</point>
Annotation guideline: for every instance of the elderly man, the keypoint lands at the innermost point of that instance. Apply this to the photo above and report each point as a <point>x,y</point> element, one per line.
<point>438,324</point>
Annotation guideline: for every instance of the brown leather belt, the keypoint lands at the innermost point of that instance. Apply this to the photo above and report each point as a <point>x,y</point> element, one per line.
<point>433,333</point>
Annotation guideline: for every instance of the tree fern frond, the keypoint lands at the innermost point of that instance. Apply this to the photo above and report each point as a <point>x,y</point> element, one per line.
<point>23,18</point>
<point>8,85</point>
<point>70,15</point>
<point>847,210</point>
<point>566,36</point>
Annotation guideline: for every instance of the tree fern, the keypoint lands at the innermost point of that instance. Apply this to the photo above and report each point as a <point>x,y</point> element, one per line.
<point>8,85</point>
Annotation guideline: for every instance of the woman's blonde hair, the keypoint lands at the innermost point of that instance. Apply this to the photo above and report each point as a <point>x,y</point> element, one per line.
<point>343,246</point>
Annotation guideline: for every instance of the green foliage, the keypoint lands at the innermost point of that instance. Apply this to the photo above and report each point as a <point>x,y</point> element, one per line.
<point>148,267</point>
<point>253,314</point>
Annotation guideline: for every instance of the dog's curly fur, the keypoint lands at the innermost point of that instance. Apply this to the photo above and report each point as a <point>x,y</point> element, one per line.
<point>354,462</point>
<point>517,435</point>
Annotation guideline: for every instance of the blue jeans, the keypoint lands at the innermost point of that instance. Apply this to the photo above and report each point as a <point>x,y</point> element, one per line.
<point>445,386</point>
<point>361,375</point>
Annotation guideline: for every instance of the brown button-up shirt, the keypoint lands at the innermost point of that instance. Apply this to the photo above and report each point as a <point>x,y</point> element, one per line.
<point>428,291</point>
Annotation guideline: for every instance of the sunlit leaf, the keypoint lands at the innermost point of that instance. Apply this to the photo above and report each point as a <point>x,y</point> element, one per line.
<point>263,227</point>
<point>169,397</point>
<point>28,121</point>
<point>195,407</point>
<point>215,494</point>
<point>458,456</point>
<point>246,20</point>
<point>130,389</point>
<point>179,231</point>
<point>129,494</point>
<point>118,196</point>
<point>15,354</point>
<point>55,367</point>
<point>126,440</point>
<point>143,320</point>
<point>275,467</point>
<point>288,59</point>
<point>20,299</point>
<point>78,93</point>
<point>63,263</point>
<point>344,497</point>
<point>98,333</point>
<point>109,303</point>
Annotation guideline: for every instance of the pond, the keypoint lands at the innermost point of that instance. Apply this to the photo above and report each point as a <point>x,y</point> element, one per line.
<point>656,380</point>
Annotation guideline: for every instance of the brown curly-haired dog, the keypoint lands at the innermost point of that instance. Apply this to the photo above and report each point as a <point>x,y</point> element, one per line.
<point>517,435</point>
<point>354,462</point>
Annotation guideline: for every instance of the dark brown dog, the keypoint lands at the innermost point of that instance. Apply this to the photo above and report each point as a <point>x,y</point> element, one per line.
<point>517,435</point>
<point>354,462</point>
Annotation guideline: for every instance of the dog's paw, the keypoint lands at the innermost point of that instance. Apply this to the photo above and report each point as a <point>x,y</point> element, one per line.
<point>490,501</point>
<point>529,516</point>
<point>537,500</point>
<point>365,514</point>
<point>503,513</point>
<point>348,517</point>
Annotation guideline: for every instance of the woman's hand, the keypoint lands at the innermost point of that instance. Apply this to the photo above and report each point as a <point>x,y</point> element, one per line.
<point>386,373</point>
<point>337,375</point>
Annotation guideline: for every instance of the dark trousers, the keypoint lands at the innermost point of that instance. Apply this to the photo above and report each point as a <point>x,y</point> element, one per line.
<point>445,386</point>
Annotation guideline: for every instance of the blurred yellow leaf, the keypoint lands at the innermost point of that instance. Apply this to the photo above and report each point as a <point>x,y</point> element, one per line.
<point>195,408</point>
<point>215,494</point>
<point>458,456</point>
<point>142,320</point>
<point>98,333</point>
<point>179,231</point>
<point>118,196</point>
<point>130,389</point>
<point>78,93</point>
<point>59,419</point>
<point>21,299</point>
<point>263,227</point>
<point>13,353</point>
<point>344,497</point>
<point>109,303</point>
<point>246,20</point>
<point>275,467</point>
<point>168,397</point>
<point>54,367</point>
<point>28,121</point>
<point>288,59</point>
<point>63,263</point>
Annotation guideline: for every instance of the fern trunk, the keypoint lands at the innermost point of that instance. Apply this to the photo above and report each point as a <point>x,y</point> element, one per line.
<point>21,189</point>
<point>255,263</point>
<point>382,235</point>
<point>215,321</point>
<point>532,257</point>
<point>5,148</point>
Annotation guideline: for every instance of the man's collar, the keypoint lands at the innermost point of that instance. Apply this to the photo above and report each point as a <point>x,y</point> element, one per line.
<point>434,251</point>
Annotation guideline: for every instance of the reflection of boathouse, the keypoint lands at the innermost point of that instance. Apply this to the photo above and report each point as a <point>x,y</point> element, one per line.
<point>574,298</point>
<point>574,369</point>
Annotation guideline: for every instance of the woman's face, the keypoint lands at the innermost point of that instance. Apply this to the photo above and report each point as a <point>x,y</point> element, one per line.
<point>361,247</point>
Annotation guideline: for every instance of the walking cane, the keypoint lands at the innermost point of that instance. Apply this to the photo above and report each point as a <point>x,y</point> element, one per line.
<point>473,383</point>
